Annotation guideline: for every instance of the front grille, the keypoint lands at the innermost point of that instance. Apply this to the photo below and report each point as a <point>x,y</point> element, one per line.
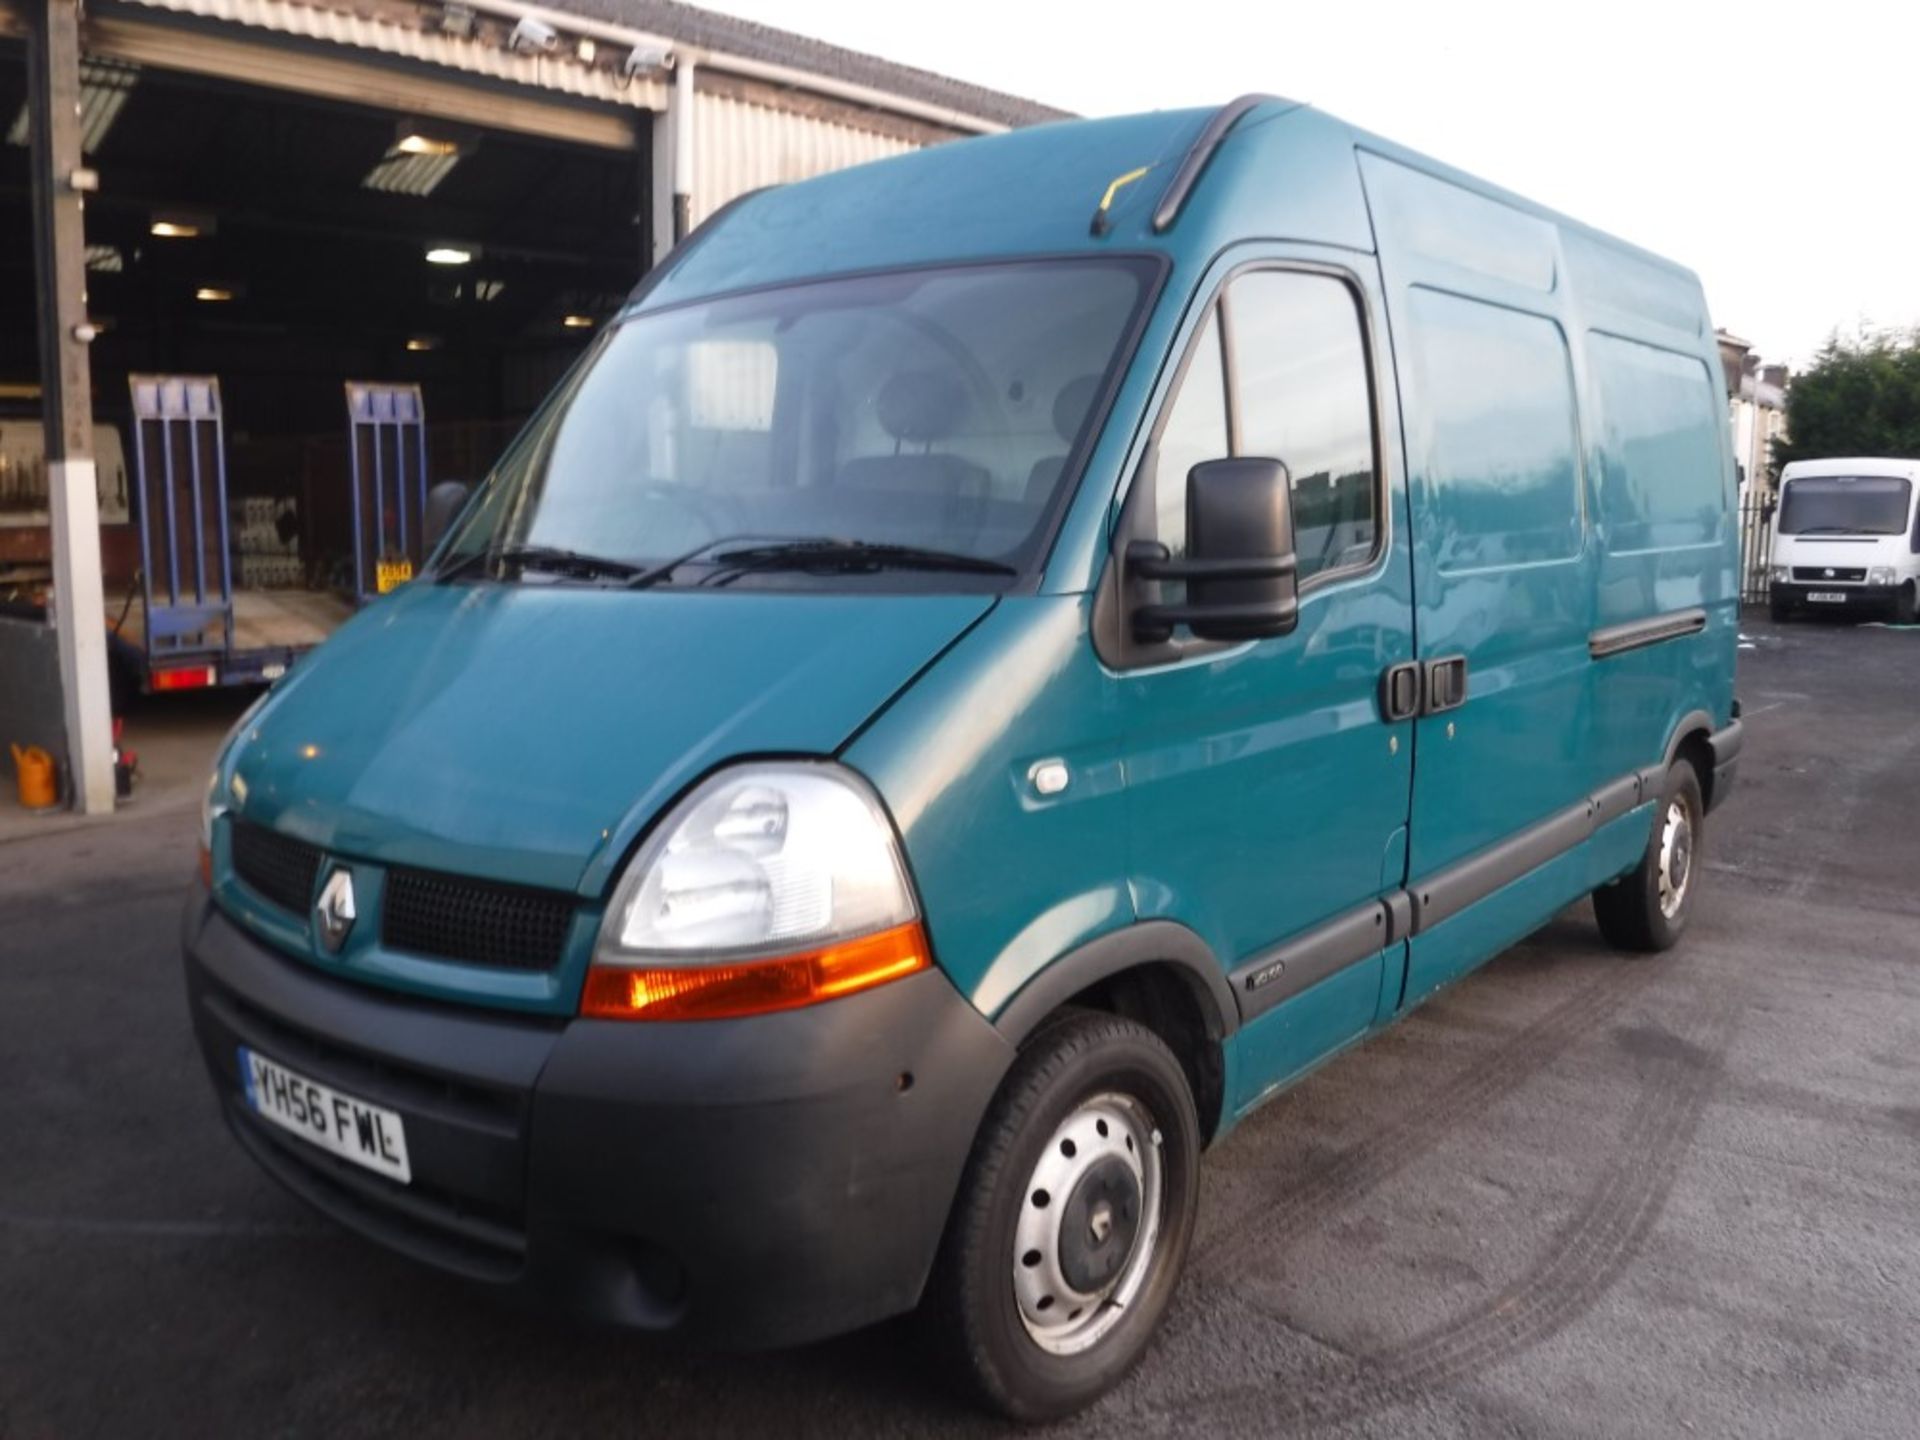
<point>477,921</point>
<point>1853,573</point>
<point>277,867</point>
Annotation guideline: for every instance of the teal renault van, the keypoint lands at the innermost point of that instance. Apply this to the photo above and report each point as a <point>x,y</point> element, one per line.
<point>996,663</point>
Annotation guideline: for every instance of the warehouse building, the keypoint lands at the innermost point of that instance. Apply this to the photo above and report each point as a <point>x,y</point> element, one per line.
<point>268,266</point>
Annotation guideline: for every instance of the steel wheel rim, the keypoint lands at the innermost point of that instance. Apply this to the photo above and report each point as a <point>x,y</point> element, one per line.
<point>1676,856</point>
<point>1107,1138</point>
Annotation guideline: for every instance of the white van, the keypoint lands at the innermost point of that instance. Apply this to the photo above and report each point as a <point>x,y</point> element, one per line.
<point>1846,538</point>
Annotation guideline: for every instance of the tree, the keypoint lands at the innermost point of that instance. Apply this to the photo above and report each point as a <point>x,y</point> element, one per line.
<point>1860,397</point>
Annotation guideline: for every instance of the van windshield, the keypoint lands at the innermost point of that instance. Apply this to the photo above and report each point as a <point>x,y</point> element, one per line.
<point>1845,505</point>
<point>912,428</point>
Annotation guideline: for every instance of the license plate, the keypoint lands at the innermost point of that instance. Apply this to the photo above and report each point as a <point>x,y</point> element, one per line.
<point>368,1135</point>
<point>392,574</point>
<point>1828,597</point>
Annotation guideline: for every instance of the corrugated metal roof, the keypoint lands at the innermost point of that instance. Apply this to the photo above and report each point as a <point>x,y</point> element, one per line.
<point>750,41</point>
<point>561,73</point>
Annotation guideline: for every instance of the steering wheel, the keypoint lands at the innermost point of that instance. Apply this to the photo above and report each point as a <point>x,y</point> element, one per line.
<point>707,517</point>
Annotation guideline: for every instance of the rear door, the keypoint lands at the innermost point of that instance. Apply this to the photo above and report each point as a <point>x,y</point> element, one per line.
<point>1267,798</point>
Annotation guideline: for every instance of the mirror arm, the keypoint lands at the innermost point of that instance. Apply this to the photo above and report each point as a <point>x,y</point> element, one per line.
<point>1153,624</point>
<point>1149,560</point>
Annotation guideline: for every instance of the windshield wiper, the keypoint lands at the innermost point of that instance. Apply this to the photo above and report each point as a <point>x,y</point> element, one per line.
<point>552,559</point>
<point>841,556</point>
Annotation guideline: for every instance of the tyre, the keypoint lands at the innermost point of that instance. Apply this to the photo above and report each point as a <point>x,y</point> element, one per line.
<point>1906,604</point>
<point>1073,1220</point>
<point>1646,909</point>
<point>1779,610</point>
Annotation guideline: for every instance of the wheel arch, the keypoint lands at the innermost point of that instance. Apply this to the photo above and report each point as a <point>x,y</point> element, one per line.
<point>1692,741</point>
<point>1156,972</point>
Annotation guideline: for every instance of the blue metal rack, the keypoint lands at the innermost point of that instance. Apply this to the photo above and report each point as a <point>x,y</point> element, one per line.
<point>178,428</point>
<point>387,452</point>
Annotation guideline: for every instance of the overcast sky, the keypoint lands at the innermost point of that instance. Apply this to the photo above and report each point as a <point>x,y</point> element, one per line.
<point>1770,147</point>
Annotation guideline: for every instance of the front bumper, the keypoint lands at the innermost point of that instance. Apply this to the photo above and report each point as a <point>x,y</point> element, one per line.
<point>1858,597</point>
<point>746,1183</point>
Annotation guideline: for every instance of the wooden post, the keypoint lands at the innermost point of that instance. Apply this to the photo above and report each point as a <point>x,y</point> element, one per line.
<point>59,181</point>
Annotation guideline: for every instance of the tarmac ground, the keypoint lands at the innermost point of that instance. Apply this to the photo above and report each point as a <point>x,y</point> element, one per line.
<point>1576,1194</point>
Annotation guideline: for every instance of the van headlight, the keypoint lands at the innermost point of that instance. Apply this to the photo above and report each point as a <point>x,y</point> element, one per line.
<point>213,804</point>
<point>1781,573</point>
<point>771,886</point>
<point>1880,575</point>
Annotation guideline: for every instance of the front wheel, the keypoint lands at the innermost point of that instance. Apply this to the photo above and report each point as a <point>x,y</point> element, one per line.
<point>1073,1219</point>
<point>1647,908</point>
<point>1906,604</point>
<point>1779,610</point>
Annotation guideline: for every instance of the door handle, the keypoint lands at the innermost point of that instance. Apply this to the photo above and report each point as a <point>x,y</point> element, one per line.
<point>1400,692</point>
<point>1446,687</point>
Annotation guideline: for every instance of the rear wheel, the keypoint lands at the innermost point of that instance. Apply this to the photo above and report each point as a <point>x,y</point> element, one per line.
<point>1646,909</point>
<point>1073,1219</point>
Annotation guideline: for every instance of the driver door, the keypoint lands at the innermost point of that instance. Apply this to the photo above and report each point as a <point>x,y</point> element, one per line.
<point>1268,798</point>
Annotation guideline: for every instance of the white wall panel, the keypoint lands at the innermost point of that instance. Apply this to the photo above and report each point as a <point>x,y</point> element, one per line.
<point>740,146</point>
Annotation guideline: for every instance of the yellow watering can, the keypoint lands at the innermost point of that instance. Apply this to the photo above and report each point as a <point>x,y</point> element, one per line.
<point>34,772</point>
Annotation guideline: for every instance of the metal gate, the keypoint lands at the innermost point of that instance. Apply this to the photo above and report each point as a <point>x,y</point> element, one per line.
<point>180,477</point>
<point>1757,508</point>
<point>387,456</point>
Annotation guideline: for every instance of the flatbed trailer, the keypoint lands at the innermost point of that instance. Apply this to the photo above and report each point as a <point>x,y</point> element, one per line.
<point>178,616</point>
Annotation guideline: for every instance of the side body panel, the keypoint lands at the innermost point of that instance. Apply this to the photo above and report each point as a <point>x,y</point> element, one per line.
<point>1009,880</point>
<point>1664,501</point>
<point>1570,484</point>
<point>1503,567</point>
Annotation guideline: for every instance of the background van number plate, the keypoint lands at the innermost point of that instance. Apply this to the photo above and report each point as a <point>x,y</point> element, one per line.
<point>1828,597</point>
<point>368,1135</point>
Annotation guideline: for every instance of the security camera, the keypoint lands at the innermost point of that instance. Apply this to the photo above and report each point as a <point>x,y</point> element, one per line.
<point>530,35</point>
<point>646,57</point>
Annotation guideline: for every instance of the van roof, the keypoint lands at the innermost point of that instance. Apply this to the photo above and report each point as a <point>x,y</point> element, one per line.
<point>1035,191</point>
<point>1853,465</point>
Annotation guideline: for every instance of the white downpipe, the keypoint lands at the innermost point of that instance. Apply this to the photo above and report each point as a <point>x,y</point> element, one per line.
<point>772,73</point>
<point>683,122</point>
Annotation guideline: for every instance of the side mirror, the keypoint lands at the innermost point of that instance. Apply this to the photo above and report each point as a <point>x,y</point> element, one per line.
<point>1240,569</point>
<point>445,501</point>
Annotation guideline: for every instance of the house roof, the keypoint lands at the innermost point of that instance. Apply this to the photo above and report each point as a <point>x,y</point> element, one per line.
<point>752,41</point>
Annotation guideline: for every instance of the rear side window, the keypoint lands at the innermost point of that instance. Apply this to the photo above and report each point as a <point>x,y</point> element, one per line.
<point>1495,434</point>
<point>1293,344</point>
<point>1662,484</point>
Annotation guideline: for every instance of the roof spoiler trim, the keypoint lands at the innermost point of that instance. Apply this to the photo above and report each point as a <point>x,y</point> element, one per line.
<point>1210,138</point>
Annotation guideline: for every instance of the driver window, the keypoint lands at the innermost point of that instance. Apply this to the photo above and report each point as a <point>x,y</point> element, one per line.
<point>1196,431</point>
<point>1301,395</point>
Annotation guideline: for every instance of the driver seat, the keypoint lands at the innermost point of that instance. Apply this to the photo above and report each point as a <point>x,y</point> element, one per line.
<point>920,407</point>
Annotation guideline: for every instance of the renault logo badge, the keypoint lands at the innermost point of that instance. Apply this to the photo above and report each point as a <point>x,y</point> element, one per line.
<point>1829,572</point>
<point>333,912</point>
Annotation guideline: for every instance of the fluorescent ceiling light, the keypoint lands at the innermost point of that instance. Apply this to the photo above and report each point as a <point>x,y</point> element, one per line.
<point>419,343</point>
<point>414,143</point>
<point>181,224</point>
<point>214,294</point>
<point>432,137</point>
<point>106,259</point>
<point>485,290</point>
<point>104,88</point>
<point>449,255</point>
<point>577,322</point>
